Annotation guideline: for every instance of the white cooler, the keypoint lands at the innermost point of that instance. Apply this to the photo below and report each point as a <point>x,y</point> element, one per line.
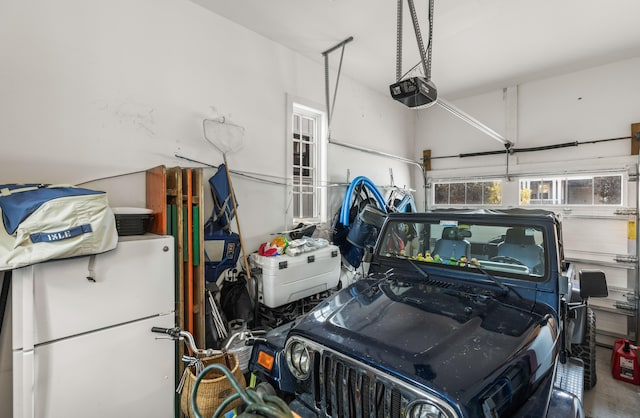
<point>286,278</point>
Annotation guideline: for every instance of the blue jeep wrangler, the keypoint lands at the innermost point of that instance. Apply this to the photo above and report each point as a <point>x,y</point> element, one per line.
<point>461,314</point>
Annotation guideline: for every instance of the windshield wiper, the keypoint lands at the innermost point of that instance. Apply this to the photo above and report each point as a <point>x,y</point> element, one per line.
<point>497,281</point>
<point>493,278</point>
<point>415,266</point>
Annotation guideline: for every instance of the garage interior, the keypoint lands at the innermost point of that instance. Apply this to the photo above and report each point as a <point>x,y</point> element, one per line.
<point>262,116</point>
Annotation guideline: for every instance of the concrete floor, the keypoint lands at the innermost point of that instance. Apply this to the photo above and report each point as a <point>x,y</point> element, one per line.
<point>610,398</point>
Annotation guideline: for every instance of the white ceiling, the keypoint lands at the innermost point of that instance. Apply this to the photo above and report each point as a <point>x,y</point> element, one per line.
<point>478,45</point>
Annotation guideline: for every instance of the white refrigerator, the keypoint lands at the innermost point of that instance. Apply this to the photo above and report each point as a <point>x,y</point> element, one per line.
<point>82,343</point>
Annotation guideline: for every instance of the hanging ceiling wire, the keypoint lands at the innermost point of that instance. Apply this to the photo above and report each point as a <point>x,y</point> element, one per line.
<point>252,176</point>
<point>260,177</point>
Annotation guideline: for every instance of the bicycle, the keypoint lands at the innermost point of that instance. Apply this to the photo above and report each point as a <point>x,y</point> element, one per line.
<point>255,402</point>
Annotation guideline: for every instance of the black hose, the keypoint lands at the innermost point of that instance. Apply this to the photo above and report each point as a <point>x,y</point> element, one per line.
<point>546,147</point>
<point>478,154</point>
<point>533,149</point>
<point>516,150</point>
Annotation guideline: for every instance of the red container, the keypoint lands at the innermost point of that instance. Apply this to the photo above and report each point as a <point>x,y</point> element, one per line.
<point>624,362</point>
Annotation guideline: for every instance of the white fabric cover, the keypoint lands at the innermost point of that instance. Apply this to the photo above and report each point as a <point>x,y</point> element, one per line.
<point>55,217</point>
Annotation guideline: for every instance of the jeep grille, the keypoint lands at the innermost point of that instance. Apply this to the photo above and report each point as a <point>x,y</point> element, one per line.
<point>344,388</point>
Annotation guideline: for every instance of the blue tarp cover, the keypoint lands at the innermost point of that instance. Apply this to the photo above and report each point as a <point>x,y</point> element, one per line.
<point>17,206</point>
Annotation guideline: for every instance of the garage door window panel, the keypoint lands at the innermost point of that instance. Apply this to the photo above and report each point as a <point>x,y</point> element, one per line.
<point>590,190</point>
<point>608,190</point>
<point>441,194</point>
<point>472,193</point>
<point>457,194</point>
<point>579,191</point>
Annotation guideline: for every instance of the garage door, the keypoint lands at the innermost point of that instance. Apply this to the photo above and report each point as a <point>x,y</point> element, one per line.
<point>599,214</point>
<point>607,242</point>
<point>599,223</point>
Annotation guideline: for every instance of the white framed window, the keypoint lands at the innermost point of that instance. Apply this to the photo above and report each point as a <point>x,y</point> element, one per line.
<point>468,193</point>
<point>585,190</point>
<point>306,161</point>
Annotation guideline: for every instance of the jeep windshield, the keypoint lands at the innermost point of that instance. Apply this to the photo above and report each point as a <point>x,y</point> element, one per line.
<point>508,250</point>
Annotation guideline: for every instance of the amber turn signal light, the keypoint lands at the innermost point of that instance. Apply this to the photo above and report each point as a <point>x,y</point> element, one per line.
<point>265,360</point>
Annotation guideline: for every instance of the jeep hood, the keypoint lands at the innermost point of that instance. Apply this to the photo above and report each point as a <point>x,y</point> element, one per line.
<point>438,338</point>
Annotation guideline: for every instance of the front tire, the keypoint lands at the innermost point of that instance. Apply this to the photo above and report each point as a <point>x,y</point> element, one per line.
<point>587,350</point>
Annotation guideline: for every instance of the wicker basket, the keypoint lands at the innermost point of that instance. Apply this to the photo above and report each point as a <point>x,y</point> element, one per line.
<point>214,388</point>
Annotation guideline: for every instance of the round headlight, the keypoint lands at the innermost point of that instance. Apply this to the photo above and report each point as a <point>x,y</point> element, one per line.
<point>424,409</point>
<point>297,356</point>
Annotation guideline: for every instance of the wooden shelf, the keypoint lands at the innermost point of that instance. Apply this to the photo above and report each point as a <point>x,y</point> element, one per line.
<point>174,195</point>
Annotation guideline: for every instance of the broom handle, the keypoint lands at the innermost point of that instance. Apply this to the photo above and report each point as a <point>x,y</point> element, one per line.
<point>235,210</point>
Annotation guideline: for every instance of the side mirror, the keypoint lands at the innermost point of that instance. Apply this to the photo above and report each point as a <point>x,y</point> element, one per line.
<point>593,283</point>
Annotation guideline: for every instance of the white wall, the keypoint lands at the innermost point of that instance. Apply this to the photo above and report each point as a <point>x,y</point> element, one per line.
<point>92,89</point>
<point>592,104</point>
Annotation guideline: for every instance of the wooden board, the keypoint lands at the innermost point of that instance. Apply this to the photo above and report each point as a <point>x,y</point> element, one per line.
<point>197,190</point>
<point>426,159</point>
<point>635,140</point>
<point>174,193</point>
<point>193,252</point>
<point>188,255</point>
<point>156,197</point>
